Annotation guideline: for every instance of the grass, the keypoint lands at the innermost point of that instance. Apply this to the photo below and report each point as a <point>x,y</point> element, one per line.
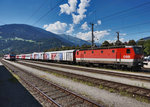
<point>101,87</point>
<point>124,93</point>
<point>142,99</point>
<point>143,85</point>
<point>42,76</point>
<point>138,98</point>
<point>111,90</point>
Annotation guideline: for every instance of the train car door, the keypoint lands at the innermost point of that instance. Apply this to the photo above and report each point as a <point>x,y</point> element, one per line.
<point>118,56</point>
<point>82,56</point>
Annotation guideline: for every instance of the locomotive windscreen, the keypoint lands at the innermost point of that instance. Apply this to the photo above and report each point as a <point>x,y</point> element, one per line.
<point>138,50</point>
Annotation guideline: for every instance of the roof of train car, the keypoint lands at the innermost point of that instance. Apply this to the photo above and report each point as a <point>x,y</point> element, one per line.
<point>110,47</point>
<point>61,51</point>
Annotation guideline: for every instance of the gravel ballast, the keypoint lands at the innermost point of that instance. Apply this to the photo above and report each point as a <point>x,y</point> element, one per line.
<point>100,76</point>
<point>110,99</point>
<point>101,69</point>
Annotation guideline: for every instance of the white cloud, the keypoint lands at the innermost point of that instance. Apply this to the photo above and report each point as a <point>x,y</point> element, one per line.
<point>87,36</point>
<point>83,4</point>
<point>71,29</point>
<point>57,27</point>
<point>69,7</point>
<point>123,34</point>
<point>113,41</point>
<point>84,26</point>
<point>77,18</point>
<point>81,10</point>
<point>122,39</point>
<point>45,26</point>
<point>99,22</point>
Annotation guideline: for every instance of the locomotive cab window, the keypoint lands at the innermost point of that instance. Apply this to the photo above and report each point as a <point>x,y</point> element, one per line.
<point>92,52</point>
<point>101,51</point>
<point>128,51</point>
<point>84,52</point>
<point>77,53</point>
<point>138,50</point>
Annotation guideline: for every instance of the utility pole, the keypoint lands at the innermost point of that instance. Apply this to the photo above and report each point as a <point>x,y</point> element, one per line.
<point>118,41</point>
<point>117,36</point>
<point>92,34</point>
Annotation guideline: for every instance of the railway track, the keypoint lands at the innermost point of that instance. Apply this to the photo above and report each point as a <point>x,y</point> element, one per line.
<point>130,76</point>
<point>53,94</point>
<point>133,90</point>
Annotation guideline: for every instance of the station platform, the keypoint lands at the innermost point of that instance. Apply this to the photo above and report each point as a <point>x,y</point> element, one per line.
<point>12,93</point>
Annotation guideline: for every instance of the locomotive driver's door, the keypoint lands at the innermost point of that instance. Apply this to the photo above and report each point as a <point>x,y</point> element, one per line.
<point>82,57</point>
<point>118,57</point>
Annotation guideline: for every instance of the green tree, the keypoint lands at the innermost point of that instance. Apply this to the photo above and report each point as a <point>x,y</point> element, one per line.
<point>77,47</point>
<point>118,43</point>
<point>141,42</point>
<point>147,47</point>
<point>131,42</point>
<point>105,43</point>
<point>84,46</point>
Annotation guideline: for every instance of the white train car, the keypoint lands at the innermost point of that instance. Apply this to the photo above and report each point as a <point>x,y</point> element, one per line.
<point>27,56</point>
<point>47,56</point>
<point>66,55</point>
<point>37,55</point>
<point>10,57</point>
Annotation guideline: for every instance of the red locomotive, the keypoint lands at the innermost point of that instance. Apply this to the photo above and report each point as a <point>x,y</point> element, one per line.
<point>126,56</point>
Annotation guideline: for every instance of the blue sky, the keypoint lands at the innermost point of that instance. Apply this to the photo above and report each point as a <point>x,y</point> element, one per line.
<point>73,17</point>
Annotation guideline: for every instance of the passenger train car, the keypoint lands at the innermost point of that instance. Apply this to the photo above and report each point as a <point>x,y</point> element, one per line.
<point>10,57</point>
<point>123,56</point>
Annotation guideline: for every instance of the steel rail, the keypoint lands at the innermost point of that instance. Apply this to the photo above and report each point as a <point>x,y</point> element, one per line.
<point>98,82</point>
<point>42,94</point>
<point>61,88</point>
<point>143,78</point>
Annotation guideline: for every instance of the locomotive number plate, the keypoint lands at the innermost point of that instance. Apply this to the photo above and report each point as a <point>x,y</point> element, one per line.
<point>126,56</point>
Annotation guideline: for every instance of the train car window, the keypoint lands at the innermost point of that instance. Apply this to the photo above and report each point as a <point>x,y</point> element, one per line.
<point>84,52</point>
<point>77,53</point>
<point>113,51</point>
<point>128,51</point>
<point>92,52</point>
<point>101,51</point>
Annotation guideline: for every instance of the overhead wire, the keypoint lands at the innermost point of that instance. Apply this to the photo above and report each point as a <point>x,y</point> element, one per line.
<point>133,25</point>
<point>126,10</point>
<point>124,16</point>
<point>138,32</point>
<point>36,11</point>
<point>48,12</point>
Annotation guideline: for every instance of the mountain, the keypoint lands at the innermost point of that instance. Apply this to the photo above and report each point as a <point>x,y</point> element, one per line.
<point>74,40</point>
<point>21,38</point>
<point>146,38</point>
